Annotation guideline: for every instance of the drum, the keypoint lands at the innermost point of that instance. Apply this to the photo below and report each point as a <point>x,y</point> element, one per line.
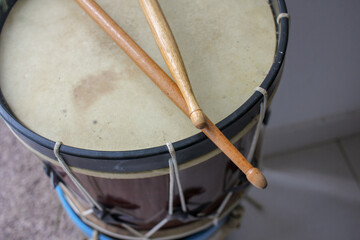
<point>129,163</point>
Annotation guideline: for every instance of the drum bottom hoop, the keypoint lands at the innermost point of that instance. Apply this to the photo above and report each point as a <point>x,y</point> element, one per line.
<point>201,229</point>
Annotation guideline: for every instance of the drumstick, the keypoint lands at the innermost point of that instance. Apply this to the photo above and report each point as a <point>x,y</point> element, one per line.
<point>164,82</point>
<point>171,54</point>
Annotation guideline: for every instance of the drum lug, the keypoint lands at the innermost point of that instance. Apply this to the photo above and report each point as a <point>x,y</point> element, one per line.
<point>49,171</point>
<point>109,217</point>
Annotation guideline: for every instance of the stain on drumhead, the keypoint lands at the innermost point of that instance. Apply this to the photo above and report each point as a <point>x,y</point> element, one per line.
<point>93,87</point>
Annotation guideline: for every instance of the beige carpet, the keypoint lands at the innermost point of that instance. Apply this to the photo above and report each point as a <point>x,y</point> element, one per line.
<point>29,207</point>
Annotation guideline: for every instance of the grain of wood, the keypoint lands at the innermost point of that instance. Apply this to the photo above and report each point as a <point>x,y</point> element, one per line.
<point>172,56</point>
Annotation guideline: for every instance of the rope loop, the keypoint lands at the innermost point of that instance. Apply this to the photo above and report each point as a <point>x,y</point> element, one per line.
<point>260,121</point>
<point>73,178</point>
<point>282,15</point>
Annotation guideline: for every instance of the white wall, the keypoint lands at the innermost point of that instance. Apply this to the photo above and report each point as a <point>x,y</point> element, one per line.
<point>318,98</point>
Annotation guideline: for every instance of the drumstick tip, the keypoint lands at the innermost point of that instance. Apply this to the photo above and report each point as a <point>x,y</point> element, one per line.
<point>256,178</point>
<point>198,119</point>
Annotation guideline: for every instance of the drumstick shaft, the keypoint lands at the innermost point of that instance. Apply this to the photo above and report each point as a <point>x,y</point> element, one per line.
<point>171,54</point>
<point>164,82</point>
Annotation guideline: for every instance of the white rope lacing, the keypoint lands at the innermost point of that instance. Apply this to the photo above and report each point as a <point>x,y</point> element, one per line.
<point>250,155</point>
<point>73,178</point>
<point>259,123</point>
<point>174,178</point>
<point>221,208</point>
<point>173,162</point>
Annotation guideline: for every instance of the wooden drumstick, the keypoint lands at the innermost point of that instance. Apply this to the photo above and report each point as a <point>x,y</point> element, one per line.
<point>171,54</point>
<point>164,82</point>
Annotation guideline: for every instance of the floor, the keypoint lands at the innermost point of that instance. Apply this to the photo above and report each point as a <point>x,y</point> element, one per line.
<point>313,193</point>
<point>29,207</point>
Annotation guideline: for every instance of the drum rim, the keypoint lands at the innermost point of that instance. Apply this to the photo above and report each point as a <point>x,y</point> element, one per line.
<point>279,57</point>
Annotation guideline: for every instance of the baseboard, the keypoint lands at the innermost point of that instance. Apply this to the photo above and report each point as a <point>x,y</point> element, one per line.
<point>287,138</point>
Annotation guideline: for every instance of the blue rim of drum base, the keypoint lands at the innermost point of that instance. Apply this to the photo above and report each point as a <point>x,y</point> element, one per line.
<point>157,157</point>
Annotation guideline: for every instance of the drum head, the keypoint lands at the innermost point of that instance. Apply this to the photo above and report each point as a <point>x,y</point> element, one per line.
<point>76,86</point>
